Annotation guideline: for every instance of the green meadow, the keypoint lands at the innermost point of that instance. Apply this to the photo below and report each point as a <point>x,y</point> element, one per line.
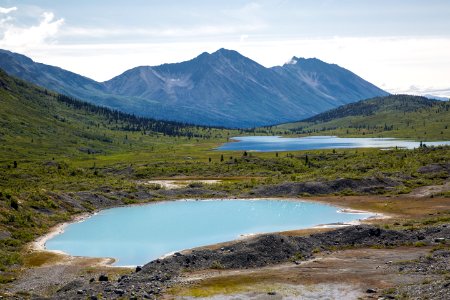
<point>53,147</point>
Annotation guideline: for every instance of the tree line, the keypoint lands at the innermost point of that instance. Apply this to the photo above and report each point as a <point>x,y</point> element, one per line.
<point>130,122</point>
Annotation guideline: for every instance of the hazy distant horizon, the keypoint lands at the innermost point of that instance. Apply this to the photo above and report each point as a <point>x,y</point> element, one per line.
<point>400,47</point>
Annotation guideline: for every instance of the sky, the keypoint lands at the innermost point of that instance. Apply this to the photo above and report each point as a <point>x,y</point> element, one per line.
<point>402,46</point>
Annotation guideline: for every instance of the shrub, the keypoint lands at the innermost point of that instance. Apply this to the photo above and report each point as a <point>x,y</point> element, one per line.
<point>14,204</point>
<point>154,186</point>
<point>217,265</point>
<point>195,185</point>
<point>419,244</point>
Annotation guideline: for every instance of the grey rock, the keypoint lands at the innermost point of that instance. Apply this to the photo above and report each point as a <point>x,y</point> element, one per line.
<point>119,292</point>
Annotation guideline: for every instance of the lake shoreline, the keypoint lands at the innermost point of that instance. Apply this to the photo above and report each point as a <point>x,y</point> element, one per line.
<point>398,209</point>
<point>304,143</point>
<point>271,250</point>
<point>38,245</point>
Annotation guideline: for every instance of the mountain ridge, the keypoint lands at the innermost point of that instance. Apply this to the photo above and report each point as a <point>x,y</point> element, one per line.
<point>403,116</point>
<point>223,88</point>
<point>395,103</point>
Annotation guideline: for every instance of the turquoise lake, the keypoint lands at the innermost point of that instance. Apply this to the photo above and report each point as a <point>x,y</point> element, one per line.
<point>136,235</point>
<point>277,143</point>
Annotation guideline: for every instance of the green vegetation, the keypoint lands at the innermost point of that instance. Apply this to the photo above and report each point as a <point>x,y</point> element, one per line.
<point>402,116</point>
<point>49,143</point>
<point>56,153</point>
<point>224,285</point>
<point>217,265</point>
<point>37,123</point>
<point>420,244</point>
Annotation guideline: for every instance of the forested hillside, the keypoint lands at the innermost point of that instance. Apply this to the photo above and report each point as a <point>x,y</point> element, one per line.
<point>403,116</point>
<point>37,121</point>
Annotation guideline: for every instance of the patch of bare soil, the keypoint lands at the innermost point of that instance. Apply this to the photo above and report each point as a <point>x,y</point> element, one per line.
<point>348,274</point>
<point>58,271</point>
<point>403,206</point>
<point>176,184</point>
<point>430,190</point>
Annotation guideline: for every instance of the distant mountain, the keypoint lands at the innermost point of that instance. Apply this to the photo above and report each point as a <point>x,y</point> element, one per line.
<point>431,93</point>
<point>50,77</point>
<point>430,96</point>
<point>334,84</point>
<point>66,82</point>
<point>404,116</point>
<point>223,88</point>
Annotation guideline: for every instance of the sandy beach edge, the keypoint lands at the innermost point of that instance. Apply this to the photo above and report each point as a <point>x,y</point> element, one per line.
<point>39,243</point>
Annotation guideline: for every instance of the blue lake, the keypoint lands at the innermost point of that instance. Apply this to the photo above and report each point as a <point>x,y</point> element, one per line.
<point>276,143</point>
<point>136,235</point>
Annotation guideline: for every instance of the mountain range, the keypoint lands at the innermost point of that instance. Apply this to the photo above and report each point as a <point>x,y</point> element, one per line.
<point>223,88</point>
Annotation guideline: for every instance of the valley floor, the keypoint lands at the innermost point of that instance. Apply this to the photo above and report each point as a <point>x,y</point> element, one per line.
<point>409,269</point>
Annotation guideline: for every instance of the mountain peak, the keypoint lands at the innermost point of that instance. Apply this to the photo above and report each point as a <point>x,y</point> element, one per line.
<point>218,54</point>
<point>226,53</point>
<point>222,88</point>
<point>292,61</point>
<point>12,55</point>
<point>302,60</point>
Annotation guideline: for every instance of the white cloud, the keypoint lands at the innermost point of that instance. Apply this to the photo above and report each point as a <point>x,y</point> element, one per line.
<point>24,39</point>
<point>415,90</point>
<point>137,34</point>
<point>392,63</point>
<point>4,10</point>
<point>243,38</point>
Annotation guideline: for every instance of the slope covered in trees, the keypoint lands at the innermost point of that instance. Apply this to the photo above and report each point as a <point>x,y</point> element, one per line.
<point>403,116</point>
<point>390,104</point>
<point>35,120</point>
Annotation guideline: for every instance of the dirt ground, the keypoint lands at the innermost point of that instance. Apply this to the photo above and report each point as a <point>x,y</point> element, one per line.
<point>175,184</point>
<point>47,272</point>
<point>347,274</point>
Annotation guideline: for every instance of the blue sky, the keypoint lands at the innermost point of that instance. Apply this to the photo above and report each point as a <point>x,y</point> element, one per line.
<point>401,46</point>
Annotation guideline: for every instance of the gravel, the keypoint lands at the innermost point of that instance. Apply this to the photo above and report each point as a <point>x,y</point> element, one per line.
<point>271,249</point>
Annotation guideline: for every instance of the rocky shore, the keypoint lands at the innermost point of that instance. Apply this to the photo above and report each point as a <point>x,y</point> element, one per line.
<point>155,277</point>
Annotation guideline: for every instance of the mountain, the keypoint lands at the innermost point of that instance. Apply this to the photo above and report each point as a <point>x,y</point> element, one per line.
<point>224,88</point>
<point>66,82</point>
<point>404,116</point>
<point>334,84</point>
<point>50,77</point>
<point>39,122</point>
<point>431,93</point>
<point>434,97</point>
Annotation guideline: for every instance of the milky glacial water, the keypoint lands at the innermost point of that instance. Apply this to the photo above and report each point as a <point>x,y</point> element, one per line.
<point>277,143</point>
<point>136,235</point>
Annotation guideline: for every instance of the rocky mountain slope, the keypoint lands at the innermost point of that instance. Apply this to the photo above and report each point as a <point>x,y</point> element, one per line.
<point>224,88</point>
